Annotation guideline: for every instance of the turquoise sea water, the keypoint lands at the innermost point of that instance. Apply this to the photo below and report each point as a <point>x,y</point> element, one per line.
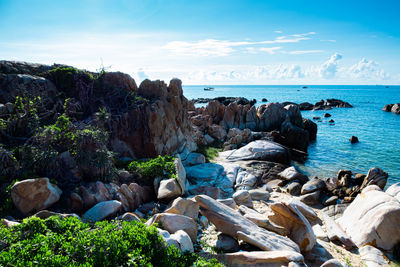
<point>378,131</point>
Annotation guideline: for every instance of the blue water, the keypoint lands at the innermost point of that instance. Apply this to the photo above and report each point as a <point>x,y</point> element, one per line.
<point>378,131</point>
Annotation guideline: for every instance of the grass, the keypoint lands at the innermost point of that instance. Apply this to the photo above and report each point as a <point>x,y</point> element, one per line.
<point>211,151</point>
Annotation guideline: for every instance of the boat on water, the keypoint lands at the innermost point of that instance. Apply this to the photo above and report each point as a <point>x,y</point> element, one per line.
<point>208,88</point>
<point>304,87</point>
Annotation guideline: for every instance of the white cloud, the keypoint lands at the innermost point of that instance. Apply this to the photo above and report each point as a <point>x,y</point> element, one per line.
<point>329,68</point>
<point>331,41</point>
<point>368,70</point>
<point>278,31</point>
<point>270,50</point>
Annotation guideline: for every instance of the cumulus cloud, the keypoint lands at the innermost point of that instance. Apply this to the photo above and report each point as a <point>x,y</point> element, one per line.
<point>367,70</point>
<point>329,69</point>
<point>270,50</point>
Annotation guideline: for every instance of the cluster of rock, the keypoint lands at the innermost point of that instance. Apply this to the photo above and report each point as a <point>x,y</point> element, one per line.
<point>325,105</point>
<point>214,122</point>
<point>394,108</point>
<point>225,100</point>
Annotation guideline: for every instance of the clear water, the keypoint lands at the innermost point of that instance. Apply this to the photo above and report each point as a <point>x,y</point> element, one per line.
<point>378,131</point>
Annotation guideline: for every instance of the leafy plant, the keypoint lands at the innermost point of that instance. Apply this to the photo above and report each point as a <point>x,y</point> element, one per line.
<point>70,242</point>
<point>162,166</point>
<point>210,152</point>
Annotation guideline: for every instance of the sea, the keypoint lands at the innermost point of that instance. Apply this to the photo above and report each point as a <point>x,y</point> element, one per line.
<point>378,131</point>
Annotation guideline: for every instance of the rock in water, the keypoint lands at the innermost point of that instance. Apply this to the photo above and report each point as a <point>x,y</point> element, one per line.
<point>259,150</point>
<point>102,210</point>
<point>373,218</point>
<point>396,108</point>
<point>354,139</point>
<point>232,223</point>
<point>387,107</point>
<point>34,194</point>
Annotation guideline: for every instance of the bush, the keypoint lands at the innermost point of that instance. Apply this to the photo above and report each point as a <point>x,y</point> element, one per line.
<point>210,152</point>
<point>162,166</point>
<point>70,242</point>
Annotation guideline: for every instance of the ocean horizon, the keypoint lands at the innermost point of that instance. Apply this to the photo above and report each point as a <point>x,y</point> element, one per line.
<point>378,131</point>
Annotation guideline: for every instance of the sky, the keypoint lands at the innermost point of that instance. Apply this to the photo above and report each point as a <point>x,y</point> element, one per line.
<point>211,42</point>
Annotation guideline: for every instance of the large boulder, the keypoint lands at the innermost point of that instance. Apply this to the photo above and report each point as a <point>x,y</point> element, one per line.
<point>372,218</point>
<point>203,173</point>
<point>184,206</point>
<point>169,189</point>
<point>295,136</point>
<point>290,174</point>
<point>259,150</point>
<point>102,210</point>
<point>271,116</point>
<point>34,194</point>
<point>396,108</point>
<point>261,258</point>
<point>375,176</point>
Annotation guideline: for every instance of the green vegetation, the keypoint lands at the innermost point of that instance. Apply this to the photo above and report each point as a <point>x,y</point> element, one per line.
<point>70,242</point>
<point>162,166</point>
<point>210,152</point>
<point>63,78</point>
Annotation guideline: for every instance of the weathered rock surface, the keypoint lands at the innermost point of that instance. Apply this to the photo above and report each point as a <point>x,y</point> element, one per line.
<point>372,218</point>
<point>227,243</point>
<point>395,108</point>
<point>169,189</point>
<point>175,222</point>
<point>232,223</point>
<point>102,210</point>
<point>375,176</point>
<point>194,159</point>
<point>259,150</point>
<point>334,231</point>
<point>373,257</point>
<point>34,194</point>
<point>261,258</point>
<point>185,243</point>
<point>290,174</point>
<point>184,206</point>
<point>242,197</point>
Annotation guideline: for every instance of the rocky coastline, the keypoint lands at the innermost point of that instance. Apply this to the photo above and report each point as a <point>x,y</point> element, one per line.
<point>215,180</point>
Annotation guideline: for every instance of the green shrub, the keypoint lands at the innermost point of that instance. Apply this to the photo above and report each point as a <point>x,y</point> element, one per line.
<point>162,166</point>
<point>70,242</point>
<point>210,152</point>
<point>63,78</point>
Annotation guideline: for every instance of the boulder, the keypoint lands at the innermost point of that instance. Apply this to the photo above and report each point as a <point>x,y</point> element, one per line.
<point>290,218</point>
<point>353,139</point>
<point>294,188</point>
<point>387,107</point>
<point>332,263</point>
<point>313,185</point>
<point>217,132</point>
<point>175,222</point>
<point>227,243</point>
<point>335,232</point>
<point>306,106</point>
<point>102,210</point>
<point>290,174</point>
<point>245,180</point>
<point>375,176</point>
<point>372,218</point>
<point>310,198</point>
<point>260,258</point>
<point>169,189</point>
<point>271,116</point>
<point>210,191</point>
<point>232,223</point>
<point>185,243</point>
<point>259,150</point>
<point>194,159</point>
<point>8,223</point>
<point>184,206</point>
<point>396,108</point>
<point>307,211</point>
<point>295,136</point>
<point>129,217</point>
<point>373,257</point>
<point>180,173</point>
<point>34,194</point>
<point>204,173</point>
<point>394,190</point>
<point>259,194</point>
<point>228,202</point>
<point>242,197</point>
<point>312,129</point>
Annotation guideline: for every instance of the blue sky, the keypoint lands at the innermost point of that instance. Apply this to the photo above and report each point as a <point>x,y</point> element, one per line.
<point>211,42</point>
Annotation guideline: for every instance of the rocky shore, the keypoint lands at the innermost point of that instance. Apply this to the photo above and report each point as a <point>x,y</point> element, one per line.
<point>88,145</point>
<point>394,108</point>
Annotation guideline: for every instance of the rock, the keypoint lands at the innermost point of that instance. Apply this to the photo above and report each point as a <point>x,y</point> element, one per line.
<point>44,214</point>
<point>394,190</point>
<point>228,202</point>
<point>260,258</point>
<point>180,173</point>
<point>102,210</point>
<point>175,222</point>
<point>169,189</point>
<point>290,174</point>
<point>320,233</point>
<point>227,243</point>
<point>271,116</point>
<point>335,232</point>
<point>245,180</point>
<point>34,194</point>
<point>396,108</point>
<point>294,115</point>
<point>375,176</point>
<point>194,159</point>
<point>331,121</point>
<point>230,222</point>
<point>259,150</point>
<point>184,206</point>
<point>311,127</point>
<point>327,115</point>
<point>262,220</point>
<point>294,188</point>
<point>217,132</point>
<point>204,173</point>
<point>312,186</point>
<point>242,197</point>
<point>8,223</point>
<point>295,136</point>
<point>264,100</point>
<point>306,106</point>
<point>185,243</point>
<point>372,218</point>
<point>310,198</point>
<point>332,263</point>
<point>76,202</point>
<point>259,194</point>
<point>331,201</point>
<point>307,211</point>
<point>203,221</point>
<point>167,238</point>
<point>289,217</point>
<point>129,217</point>
<point>387,107</point>
<point>354,139</point>
<point>335,211</point>
<point>124,176</point>
<point>210,191</point>
<point>373,257</point>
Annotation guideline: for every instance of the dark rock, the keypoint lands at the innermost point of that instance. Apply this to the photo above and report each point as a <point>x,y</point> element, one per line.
<point>227,243</point>
<point>388,107</point>
<point>314,184</point>
<point>316,118</point>
<point>210,191</point>
<point>331,121</point>
<point>327,115</point>
<point>264,100</point>
<point>353,139</point>
<point>294,188</point>
<point>310,198</point>
<point>295,137</point>
<point>311,127</point>
<point>306,106</point>
<point>331,201</point>
<point>396,108</point>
